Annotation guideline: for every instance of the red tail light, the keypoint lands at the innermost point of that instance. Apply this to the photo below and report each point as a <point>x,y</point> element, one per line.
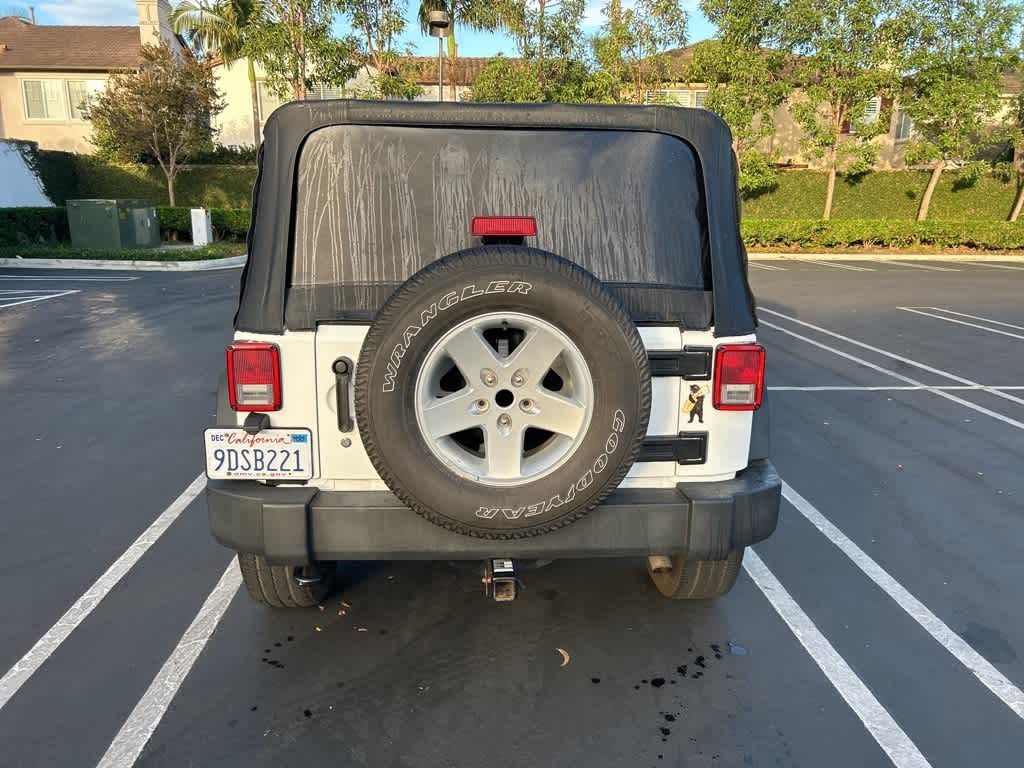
<point>504,226</point>
<point>739,377</point>
<point>254,376</point>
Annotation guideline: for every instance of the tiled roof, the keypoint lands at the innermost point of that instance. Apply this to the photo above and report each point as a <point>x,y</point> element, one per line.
<point>28,46</point>
<point>466,69</point>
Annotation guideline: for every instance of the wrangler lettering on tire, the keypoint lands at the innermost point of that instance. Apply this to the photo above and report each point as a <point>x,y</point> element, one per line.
<point>502,392</point>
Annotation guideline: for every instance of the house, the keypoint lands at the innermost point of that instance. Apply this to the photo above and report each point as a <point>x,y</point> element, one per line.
<point>47,71</point>
<point>247,109</point>
<point>786,139</point>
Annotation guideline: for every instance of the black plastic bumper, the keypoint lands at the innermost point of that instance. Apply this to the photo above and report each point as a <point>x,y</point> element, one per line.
<point>294,525</point>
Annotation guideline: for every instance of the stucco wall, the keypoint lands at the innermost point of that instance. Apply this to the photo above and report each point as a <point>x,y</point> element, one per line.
<point>66,135</point>
<point>786,139</point>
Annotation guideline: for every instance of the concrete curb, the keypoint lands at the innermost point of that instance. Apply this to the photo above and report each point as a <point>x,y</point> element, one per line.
<point>1014,256</point>
<point>140,266</point>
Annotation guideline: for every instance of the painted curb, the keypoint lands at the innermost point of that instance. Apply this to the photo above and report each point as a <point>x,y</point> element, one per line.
<point>139,266</point>
<point>893,256</point>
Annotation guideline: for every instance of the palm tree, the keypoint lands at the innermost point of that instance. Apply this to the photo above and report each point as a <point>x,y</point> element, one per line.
<point>219,27</point>
<point>481,15</point>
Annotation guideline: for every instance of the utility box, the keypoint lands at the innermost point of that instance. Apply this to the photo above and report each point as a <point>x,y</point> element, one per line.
<point>112,225</point>
<point>202,227</point>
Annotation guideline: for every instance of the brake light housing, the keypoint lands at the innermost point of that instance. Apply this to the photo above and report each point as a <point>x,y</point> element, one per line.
<point>504,226</point>
<point>254,376</point>
<point>739,377</point>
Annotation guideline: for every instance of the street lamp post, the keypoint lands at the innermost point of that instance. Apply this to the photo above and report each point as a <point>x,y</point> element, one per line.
<point>440,27</point>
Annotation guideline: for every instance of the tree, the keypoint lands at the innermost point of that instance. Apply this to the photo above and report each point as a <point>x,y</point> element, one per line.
<point>292,40</point>
<point>632,43</point>
<point>548,34</point>
<point>746,77</point>
<point>507,80</point>
<point>220,28</point>
<point>1017,139</point>
<point>953,93</point>
<point>379,23</point>
<point>848,52</point>
<point>481,15</point>
<point>162,110</point>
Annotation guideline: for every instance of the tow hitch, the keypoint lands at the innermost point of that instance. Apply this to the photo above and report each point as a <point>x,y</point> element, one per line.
<point>500,579</point>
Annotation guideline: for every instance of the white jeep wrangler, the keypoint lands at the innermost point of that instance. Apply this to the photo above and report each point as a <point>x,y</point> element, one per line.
<point>493,333</point>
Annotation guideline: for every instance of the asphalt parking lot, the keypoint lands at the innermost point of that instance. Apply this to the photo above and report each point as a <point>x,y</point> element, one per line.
<point>880,625</point>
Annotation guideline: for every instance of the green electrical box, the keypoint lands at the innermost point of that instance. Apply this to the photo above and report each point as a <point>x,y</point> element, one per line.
<point>111,225</point>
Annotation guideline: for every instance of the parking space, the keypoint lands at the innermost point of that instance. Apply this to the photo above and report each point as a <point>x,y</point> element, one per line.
<point>880,625</point>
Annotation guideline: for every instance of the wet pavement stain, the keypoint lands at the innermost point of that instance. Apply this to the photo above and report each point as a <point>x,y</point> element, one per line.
<point>595,680</point>
<point>989,642</point>
<point>657,682</point>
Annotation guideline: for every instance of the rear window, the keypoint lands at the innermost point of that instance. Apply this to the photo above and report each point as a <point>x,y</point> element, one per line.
<point>374,204</point>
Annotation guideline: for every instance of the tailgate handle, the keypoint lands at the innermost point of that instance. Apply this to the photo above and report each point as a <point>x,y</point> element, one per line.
<point>343,379</point>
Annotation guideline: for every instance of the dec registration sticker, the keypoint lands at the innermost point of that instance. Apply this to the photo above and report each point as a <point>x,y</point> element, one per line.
<point>271,454</point>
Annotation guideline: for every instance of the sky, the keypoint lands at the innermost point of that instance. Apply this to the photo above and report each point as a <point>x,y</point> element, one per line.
<point>122,12</point>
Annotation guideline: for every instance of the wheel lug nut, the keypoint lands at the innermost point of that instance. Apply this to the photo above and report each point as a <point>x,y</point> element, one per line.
<point>504,420</point>
<point>526,405</point>
<point>488,377</point>
<point>519,378</point>
<point>481,406</point>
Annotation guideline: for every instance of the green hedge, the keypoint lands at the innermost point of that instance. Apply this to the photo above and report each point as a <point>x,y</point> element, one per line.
<point>800,194</point>
<point>64,251</point>
<point>33,225</point>
<point>42,225</point>
<point>66,176</point>
<point>884,195</point>
<point>228,223</point>
<point>851,233</point>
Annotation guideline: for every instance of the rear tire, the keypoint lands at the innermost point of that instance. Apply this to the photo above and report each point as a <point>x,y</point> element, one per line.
<point>275,585</point>
<point>698,579</point>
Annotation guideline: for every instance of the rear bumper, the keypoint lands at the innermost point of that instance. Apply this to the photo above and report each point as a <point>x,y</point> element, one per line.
<point>294,525</point>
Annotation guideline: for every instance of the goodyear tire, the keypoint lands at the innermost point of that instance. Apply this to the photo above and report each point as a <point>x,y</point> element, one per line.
<point>502,392</point>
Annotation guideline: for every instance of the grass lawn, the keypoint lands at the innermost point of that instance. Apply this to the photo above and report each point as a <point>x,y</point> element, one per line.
<point>219,250</point>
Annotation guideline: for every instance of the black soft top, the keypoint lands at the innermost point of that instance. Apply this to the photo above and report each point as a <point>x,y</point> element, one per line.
<point>270,242</point>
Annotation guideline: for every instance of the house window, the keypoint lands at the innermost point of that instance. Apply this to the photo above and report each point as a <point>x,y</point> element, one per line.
<point>678,97</point>
<point>55,99</point>
<point>320,92</point>
<point>79,92</point>
<point>44,99</point>
<point>871,113</point>
<point>904,126</point>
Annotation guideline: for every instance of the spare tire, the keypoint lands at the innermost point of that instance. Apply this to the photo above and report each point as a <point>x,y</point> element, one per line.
<point>502,392</point>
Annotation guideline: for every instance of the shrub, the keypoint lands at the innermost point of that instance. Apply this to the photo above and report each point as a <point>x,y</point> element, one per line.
<point>33,225</point>
<point>859,233</point>
<point>800,194</point>
<point>228,223</point>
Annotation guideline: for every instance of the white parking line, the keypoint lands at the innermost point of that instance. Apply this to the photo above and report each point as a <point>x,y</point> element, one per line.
<point>12,301</point>
<point>876,719</point>
<point>973,317</point>
<point>27,665</point>
<point>838,266</point>
<point>908,388</point>
<point>886,353</point>
<point>126,747</point>
<point>901,377</point>
<point>995,266</point>
<point>921,266</point>
<point>767,266</point>
<point>990,677</point>
<point>961,322</point>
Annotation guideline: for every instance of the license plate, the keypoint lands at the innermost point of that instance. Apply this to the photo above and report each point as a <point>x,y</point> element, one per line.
<point>271,454</point>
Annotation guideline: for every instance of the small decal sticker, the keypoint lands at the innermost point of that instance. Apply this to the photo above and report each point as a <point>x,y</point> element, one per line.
<point>300,437</point>
<point>694,404</point>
